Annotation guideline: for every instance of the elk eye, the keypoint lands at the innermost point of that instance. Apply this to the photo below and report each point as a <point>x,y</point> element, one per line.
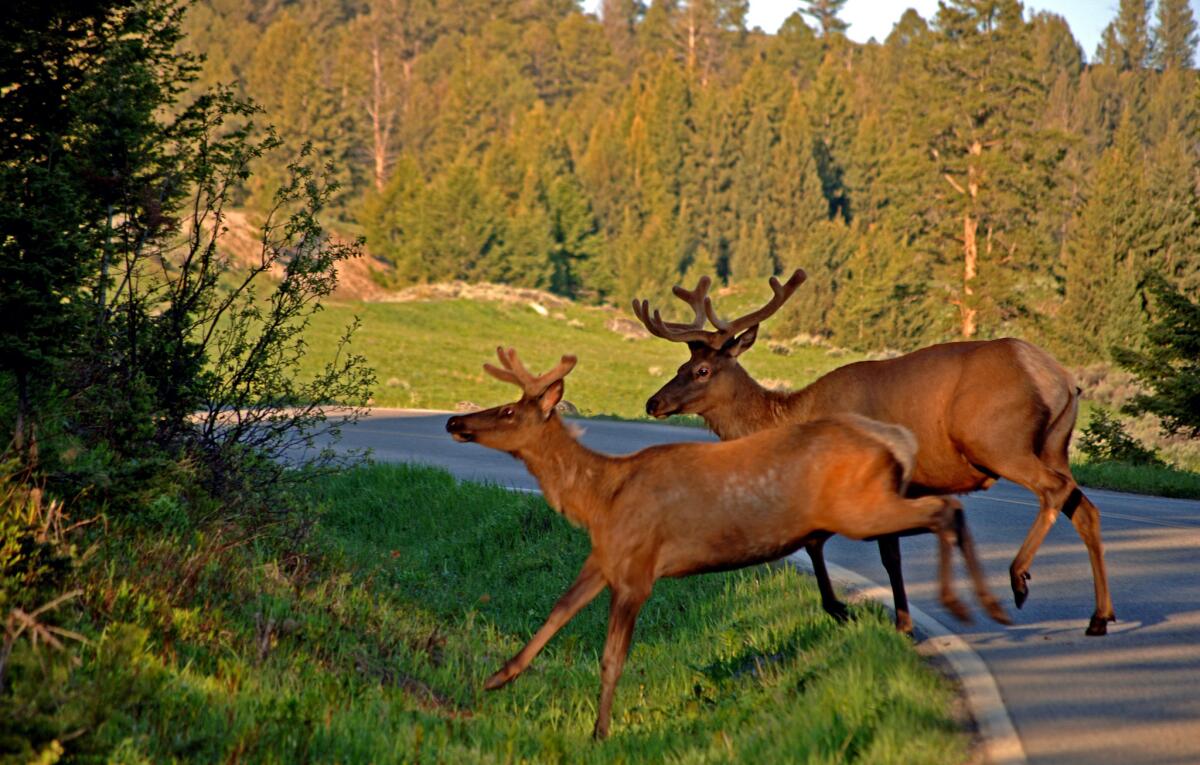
<point>506,411</point>
<point>702,372</point>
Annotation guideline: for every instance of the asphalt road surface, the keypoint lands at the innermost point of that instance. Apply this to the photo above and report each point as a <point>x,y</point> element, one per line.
<point>1131,697</point>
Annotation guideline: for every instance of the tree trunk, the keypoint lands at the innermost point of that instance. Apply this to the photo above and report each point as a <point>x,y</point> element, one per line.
<point>970,246</point>
<point>25,443</point>
<point>970,266</point>
<point>380,122</point>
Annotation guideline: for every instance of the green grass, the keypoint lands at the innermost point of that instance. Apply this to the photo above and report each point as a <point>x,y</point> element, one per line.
<point>1142,479</point>
<point>431,354</point>
<point>373,647</point>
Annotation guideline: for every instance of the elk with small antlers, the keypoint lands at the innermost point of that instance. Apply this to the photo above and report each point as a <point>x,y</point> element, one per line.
<point>980,410</point>
<point>681,509</point>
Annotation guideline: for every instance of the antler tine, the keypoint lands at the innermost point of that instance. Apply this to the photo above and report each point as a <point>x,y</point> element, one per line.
<point>561,370</point>
<point>782,293</point>
<point>679,333</point>
<point>505,374</point>
<point>674,331</point>
<point>515,372</point>
<point>695,299</point>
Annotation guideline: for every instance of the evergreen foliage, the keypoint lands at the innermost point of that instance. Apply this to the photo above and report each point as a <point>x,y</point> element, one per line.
<point>825,13</point>
<point>605,157</point>
<point>1170,364</point>
<point>1174,35</point>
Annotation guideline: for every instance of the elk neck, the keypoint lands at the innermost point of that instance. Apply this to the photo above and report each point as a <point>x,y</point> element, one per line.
<point>752,408</point>
<point>575,480</point>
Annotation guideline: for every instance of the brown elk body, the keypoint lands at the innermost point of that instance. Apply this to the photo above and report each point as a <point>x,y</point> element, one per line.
<point>980,410</point>
<point>681,509</point>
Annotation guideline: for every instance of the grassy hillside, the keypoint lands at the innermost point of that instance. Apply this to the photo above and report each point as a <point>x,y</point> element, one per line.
<point>430,354</point>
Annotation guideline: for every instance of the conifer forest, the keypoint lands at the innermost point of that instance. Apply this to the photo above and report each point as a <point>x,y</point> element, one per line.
<point>975,174</point>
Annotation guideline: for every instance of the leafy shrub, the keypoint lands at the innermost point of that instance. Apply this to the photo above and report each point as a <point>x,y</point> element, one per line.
<point>1105,440</point>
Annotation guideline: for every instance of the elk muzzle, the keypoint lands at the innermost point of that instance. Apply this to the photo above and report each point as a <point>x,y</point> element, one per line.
<point>458,428</point>
<point>669,399</point>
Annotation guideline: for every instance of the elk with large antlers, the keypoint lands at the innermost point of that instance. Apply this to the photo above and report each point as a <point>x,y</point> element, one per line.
<point>980,411</point>
<point>680,509</point>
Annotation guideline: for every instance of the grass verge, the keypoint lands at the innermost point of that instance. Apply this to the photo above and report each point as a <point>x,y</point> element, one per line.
<point>1141,479</point>
<point>372,645</point>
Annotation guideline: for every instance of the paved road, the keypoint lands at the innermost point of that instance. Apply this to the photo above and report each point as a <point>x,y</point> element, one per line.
<point>1132,697</point>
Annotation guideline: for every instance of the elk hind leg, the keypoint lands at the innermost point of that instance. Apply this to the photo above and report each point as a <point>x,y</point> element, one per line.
<point>829,601</point>
<point>622,615</point>
<point>1085,517</point>
<point>889,554</point>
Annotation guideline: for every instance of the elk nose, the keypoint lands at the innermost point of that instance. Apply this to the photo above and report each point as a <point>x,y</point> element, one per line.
<point>454,424</point>
<point>652,405</point>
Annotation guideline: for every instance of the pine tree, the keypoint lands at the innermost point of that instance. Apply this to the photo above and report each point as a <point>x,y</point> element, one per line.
<point>710,186</point>
<point>975,163</point>
<point>620,18</point>
<point>1125,43</point>
<point>1169,366</point>
<point>825,14</point>
<point>1108,255</point>
<point>883,295</point>
<point>833,130</point>
<point>289,78</point>
<point>51,214</point>
<point>1174,35</point>
<point>376,55</point>
<point>797,202</point>
<point>1173,209</point>
<point>752,257</point>
<point>647,255</point>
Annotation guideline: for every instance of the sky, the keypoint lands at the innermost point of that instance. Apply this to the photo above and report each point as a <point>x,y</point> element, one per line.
<point>874,18</point>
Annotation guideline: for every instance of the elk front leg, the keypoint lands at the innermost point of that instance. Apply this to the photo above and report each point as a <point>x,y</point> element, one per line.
<point>587,586</point>
<point>833,606</point>
<point>621,617</point>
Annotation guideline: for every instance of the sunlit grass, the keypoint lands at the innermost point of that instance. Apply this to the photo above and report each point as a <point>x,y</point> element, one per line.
<point>372,645</point>
<point>1163,481</point>
<point>430,354</point>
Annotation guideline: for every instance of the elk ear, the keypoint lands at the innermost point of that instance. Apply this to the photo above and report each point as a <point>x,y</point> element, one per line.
<point>548,400</point>
<point>742,343</point>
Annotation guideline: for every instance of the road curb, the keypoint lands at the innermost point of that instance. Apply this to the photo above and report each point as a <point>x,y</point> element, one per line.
<point>1001,744</point>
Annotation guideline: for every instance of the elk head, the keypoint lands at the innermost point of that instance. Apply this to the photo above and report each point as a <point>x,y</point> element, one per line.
<point>712,374</point>
<point>511,427</point>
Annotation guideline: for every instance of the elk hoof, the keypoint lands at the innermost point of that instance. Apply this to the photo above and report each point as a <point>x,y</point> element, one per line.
<point>904,624</point>
<point>957,609</point>
<point>500,679</point>
<point>837,609</point>
<point>1099,625</point>
<point>600,732</point>
<point>1019,588</point>
<point>996,611</point>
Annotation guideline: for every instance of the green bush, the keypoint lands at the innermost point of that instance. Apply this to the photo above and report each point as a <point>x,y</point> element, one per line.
<point>1105,440</point>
